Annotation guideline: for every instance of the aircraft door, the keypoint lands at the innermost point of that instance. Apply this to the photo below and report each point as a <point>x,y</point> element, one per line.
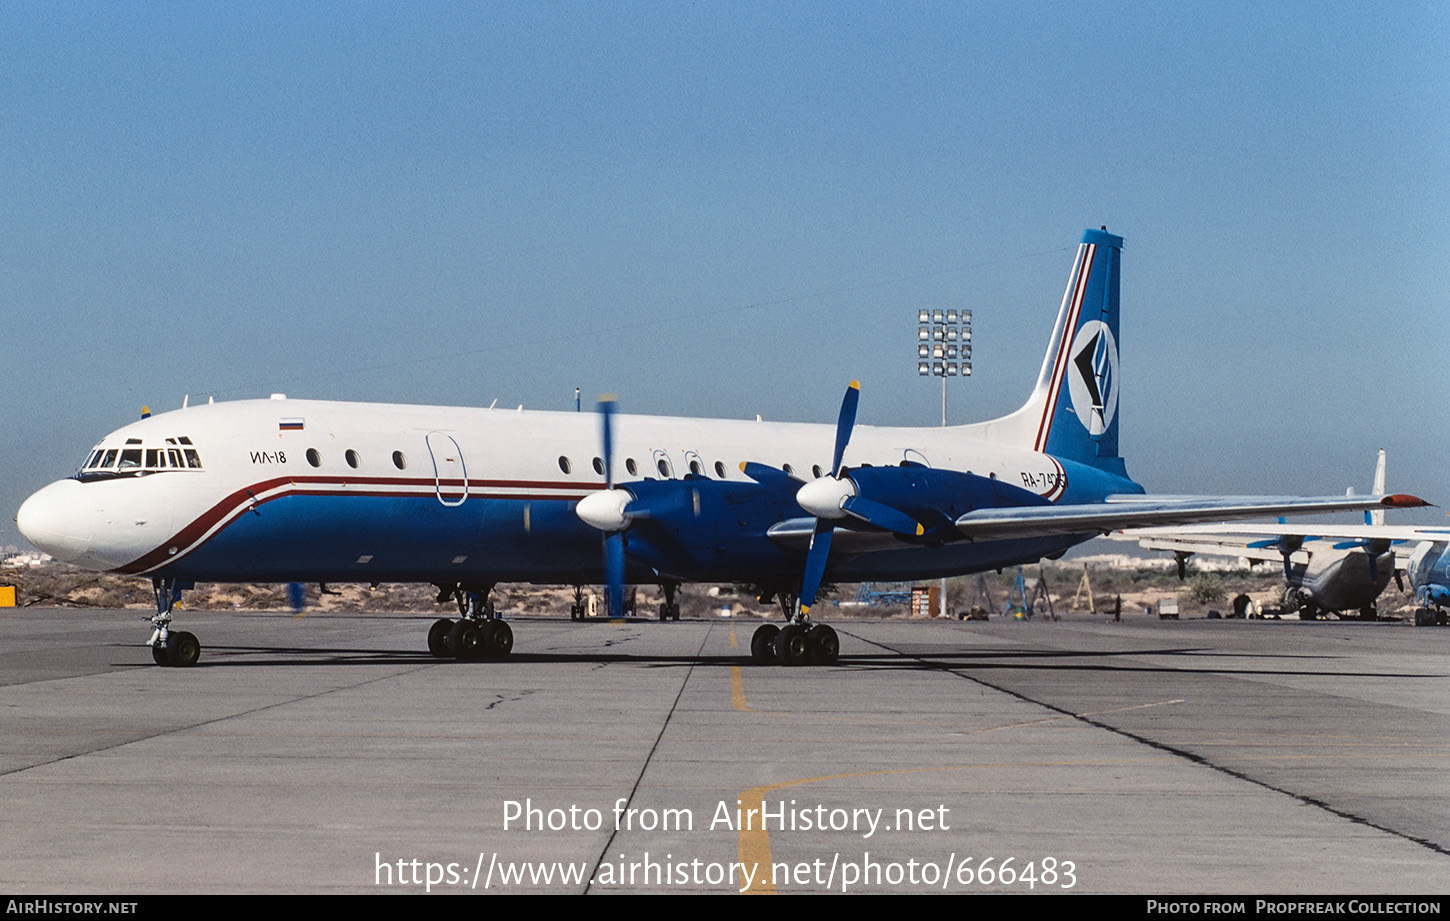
<point>449,472</point>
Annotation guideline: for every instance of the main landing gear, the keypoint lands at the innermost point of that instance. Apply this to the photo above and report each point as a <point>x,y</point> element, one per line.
<point>177,648</point>
<point>670,609</point>
<point>478,634</point>
<point>799,642</point>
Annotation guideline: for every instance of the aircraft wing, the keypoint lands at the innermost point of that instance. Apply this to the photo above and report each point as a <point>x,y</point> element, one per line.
<point>1144,511</point>
<point>1325,531</point>
<point>1245,546</point>
<point>796,533</point>
<point>1268,541</point>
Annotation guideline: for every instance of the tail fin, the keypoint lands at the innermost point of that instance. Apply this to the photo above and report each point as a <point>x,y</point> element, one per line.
<point>1073,411</point>
<point>1377,516</point>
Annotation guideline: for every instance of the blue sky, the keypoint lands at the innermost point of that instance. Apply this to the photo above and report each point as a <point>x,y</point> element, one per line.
<point>734,208</point>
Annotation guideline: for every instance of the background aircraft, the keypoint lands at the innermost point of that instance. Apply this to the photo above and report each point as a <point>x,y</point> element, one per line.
<point>293,490</point>
<point>1328,568</point>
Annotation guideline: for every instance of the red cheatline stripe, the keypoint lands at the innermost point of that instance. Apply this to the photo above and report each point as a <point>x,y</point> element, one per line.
<point>1059,365</point>
<point>211,522</point>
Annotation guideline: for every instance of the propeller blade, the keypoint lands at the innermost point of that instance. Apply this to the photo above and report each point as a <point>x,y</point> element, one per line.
<point>882,516</point>
<point>614,572</point>
<point>614,539</point>
<point>816,562</point>
<point>773,477</point>
<point>845,424</point>
<point>606,426</point>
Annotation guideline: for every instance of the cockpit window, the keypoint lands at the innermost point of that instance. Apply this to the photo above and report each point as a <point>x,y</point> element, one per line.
<point>137,459</point>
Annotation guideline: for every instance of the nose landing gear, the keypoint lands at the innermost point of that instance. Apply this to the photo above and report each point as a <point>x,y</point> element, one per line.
<point>177,649</point>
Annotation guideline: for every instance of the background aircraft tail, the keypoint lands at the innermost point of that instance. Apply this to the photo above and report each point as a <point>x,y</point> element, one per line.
<point>1073,410</point>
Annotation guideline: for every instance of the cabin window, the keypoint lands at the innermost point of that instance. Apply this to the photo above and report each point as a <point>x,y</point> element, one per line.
<point>695,468</point>
<point>599,466</point>
<point>787,469</point>
<point>351,457</point>
<point>155,458</point>
<point>399,460</point>
<point>130,457</point>
<point>110,458</point>
<point>314,458</point>
<point>174,454</point>
<point>663,466</point>
<point>816,471</point>
<point>720,470</point>
<point>95,459</point>
<point>631,466</point>
<point>193,460</point>
<point>564,463</point>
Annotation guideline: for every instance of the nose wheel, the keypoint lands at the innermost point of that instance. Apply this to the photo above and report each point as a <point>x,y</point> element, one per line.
<point>174,648</point>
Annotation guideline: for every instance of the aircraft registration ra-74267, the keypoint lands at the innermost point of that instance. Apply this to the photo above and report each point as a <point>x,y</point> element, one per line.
<point>464,498</point>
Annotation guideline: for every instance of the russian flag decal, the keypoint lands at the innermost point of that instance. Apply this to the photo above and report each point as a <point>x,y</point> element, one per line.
<point>289,425</point>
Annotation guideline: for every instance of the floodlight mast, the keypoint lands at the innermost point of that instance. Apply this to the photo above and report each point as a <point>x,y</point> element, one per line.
<point>943,349</point>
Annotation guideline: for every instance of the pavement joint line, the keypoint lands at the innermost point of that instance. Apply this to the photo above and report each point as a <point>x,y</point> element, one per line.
<point>649,756</point>
<point>211,722</point>
<point>1172,749</point>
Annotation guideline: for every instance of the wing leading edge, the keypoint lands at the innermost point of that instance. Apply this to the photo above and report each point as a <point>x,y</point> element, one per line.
<point>1142,511</point>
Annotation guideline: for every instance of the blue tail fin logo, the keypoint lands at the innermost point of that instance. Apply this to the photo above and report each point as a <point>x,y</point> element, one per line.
<point>1093,385</point>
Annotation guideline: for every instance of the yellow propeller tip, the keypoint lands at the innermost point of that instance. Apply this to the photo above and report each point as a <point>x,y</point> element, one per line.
<point>855,385</point>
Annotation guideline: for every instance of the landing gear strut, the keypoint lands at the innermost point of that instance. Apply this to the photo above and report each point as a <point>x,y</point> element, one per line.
<point>799,642</point>
<point>670,609</point>
<point>479,632</point>
<point>178,649</point>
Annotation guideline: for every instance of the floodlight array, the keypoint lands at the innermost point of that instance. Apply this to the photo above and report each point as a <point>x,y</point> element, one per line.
<point>944,343</point>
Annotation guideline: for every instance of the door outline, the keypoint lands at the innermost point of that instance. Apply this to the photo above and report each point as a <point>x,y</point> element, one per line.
<point>451,467</point>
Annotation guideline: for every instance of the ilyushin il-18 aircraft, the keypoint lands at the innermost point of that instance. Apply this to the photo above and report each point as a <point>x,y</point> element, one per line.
<point>286,490</point>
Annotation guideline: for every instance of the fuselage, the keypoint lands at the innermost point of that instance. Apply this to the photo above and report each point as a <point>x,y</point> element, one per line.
<point>301,490</point>
<point>1344,579</point>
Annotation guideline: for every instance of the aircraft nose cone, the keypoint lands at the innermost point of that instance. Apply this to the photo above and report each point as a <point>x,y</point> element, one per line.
<point>59,519</point>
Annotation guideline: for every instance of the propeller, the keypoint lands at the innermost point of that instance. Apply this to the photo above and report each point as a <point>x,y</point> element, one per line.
<point>608,510</point>
<point>824,498</point>
<point>830,499</point>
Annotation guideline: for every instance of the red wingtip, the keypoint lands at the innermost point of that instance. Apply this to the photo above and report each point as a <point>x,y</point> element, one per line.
<point>1404,500</point>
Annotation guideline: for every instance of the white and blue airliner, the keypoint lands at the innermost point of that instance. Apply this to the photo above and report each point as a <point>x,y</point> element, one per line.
<point>286,490</point>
